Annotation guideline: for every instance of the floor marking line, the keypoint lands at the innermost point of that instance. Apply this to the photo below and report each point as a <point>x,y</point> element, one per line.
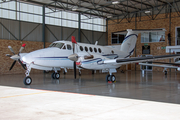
<point>26,94</point>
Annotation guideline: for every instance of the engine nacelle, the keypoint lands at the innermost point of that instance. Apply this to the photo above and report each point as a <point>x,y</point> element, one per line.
<point>94,62</point>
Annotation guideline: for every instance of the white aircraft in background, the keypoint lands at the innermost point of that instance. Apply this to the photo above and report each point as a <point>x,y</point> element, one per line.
<point>61,54</point>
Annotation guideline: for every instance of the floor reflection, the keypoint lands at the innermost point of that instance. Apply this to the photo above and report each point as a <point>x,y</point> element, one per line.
<point>153,86</point>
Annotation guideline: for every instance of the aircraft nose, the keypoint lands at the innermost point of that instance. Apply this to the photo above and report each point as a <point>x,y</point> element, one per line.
<point>73,57</point>
<point>26,58</point>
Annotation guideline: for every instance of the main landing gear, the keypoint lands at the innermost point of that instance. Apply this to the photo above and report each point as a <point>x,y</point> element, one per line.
<point>110,78</point>
<point>55,75</point>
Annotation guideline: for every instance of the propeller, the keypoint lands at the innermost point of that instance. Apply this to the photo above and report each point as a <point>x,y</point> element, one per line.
<point>16,57</point>
<point>73,44</point>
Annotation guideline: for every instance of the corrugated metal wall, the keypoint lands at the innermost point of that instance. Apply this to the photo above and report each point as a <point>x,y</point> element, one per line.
<point>9,29</point>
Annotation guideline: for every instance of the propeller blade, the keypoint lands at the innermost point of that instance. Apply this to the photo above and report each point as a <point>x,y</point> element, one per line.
<point>21,64</point>
<point>75,70</point>
<point>8,55</point>
<point>11,49</point>
<point>74,42</point>
<point>12,65</point>
<point>22,47</point>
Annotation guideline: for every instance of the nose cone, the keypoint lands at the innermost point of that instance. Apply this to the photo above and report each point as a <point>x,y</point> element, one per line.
<point>26,58</point>
<point>73,57</point>
<point>15,57</point>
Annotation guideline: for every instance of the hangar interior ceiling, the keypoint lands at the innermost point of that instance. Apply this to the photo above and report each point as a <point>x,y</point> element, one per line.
<point>112,9</point>
<point>115,10</point>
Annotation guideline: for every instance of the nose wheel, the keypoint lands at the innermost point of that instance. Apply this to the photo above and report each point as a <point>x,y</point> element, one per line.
<point>55,75</point>
<point>27,80</point>
<point>111,78</point>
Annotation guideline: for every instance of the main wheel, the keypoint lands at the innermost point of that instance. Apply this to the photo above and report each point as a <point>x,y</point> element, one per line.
<point>53,75</point>
<point>113,78</point>
<point>108,78</point>
<point>56,75</point>
<point>27,80</point>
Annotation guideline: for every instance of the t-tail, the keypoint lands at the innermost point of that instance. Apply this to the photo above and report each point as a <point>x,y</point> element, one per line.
<point>129,42</point>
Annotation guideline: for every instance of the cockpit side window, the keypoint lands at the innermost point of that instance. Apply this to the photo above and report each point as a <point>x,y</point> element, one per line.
<point>69,47</point>
<point>58,45</point>
<point>64,47</point>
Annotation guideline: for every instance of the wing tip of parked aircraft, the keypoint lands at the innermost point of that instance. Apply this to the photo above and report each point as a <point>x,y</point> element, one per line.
<point>140,30</point>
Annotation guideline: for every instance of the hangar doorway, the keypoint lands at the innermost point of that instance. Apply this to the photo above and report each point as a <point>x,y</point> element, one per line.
<point>177,37</point>
<point>146,68</point>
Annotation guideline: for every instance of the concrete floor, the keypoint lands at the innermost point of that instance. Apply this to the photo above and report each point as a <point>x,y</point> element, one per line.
<point>134,96</point>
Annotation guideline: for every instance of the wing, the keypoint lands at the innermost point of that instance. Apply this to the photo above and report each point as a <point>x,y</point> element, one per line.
<point>140,59</point>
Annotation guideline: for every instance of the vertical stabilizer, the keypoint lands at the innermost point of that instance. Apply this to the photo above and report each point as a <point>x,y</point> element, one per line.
<point>129,42</point>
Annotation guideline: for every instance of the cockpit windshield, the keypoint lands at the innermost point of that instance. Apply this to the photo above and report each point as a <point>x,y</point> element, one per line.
<point>58,45</point>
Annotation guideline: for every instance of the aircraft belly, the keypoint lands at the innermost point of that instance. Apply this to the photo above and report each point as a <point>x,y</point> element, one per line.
<point>40,67</point>
<point>99,67</point>
<point>54,63</point>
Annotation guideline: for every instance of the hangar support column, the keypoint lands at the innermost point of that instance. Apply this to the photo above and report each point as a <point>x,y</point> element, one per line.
<point>79,27</point>
<point>43,25</point>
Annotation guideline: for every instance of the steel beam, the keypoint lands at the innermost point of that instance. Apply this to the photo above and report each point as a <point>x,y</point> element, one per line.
<point>79,27</point>
<point>43,25</point>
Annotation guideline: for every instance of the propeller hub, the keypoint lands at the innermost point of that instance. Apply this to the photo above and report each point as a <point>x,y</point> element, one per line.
<point>15,57</point>
<point>73,57</point>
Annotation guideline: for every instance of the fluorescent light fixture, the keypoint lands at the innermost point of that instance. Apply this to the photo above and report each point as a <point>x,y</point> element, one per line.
<point>115,2</point>
<point>148,11</point>
<point>75,8</point>
<point>109,16</point>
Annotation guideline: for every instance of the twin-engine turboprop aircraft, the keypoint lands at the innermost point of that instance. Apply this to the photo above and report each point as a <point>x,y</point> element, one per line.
<point>61,54</point>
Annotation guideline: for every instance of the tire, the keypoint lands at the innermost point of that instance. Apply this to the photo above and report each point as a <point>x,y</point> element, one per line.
<point>107,78</point>
<point>113,78</point>
<point>56,75</point>
<point>53,75</point>
<point>27,80</point>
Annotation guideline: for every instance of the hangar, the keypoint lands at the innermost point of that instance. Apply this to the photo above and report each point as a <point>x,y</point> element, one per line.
<point>38,23</point>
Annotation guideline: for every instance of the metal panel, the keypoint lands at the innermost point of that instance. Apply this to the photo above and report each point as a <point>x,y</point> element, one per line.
<point>86,36</point>
<point>36,33</point>
<point>100,37</point>
<point>9,26</point>
<point>53,33</point>
<point>68,32</point>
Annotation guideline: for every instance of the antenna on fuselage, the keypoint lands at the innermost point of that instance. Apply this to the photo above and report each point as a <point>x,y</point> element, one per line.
<point>96,42</point>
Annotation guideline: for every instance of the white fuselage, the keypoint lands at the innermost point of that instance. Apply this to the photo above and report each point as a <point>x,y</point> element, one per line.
<point>56,55</point>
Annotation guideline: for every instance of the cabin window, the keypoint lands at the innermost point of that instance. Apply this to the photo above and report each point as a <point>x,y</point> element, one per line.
<point>95,50</point>
<point>90,49</point>
<point>69,47</point>
<point>99,50</point>
<point>81,48</point>
<point>86,49</point>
